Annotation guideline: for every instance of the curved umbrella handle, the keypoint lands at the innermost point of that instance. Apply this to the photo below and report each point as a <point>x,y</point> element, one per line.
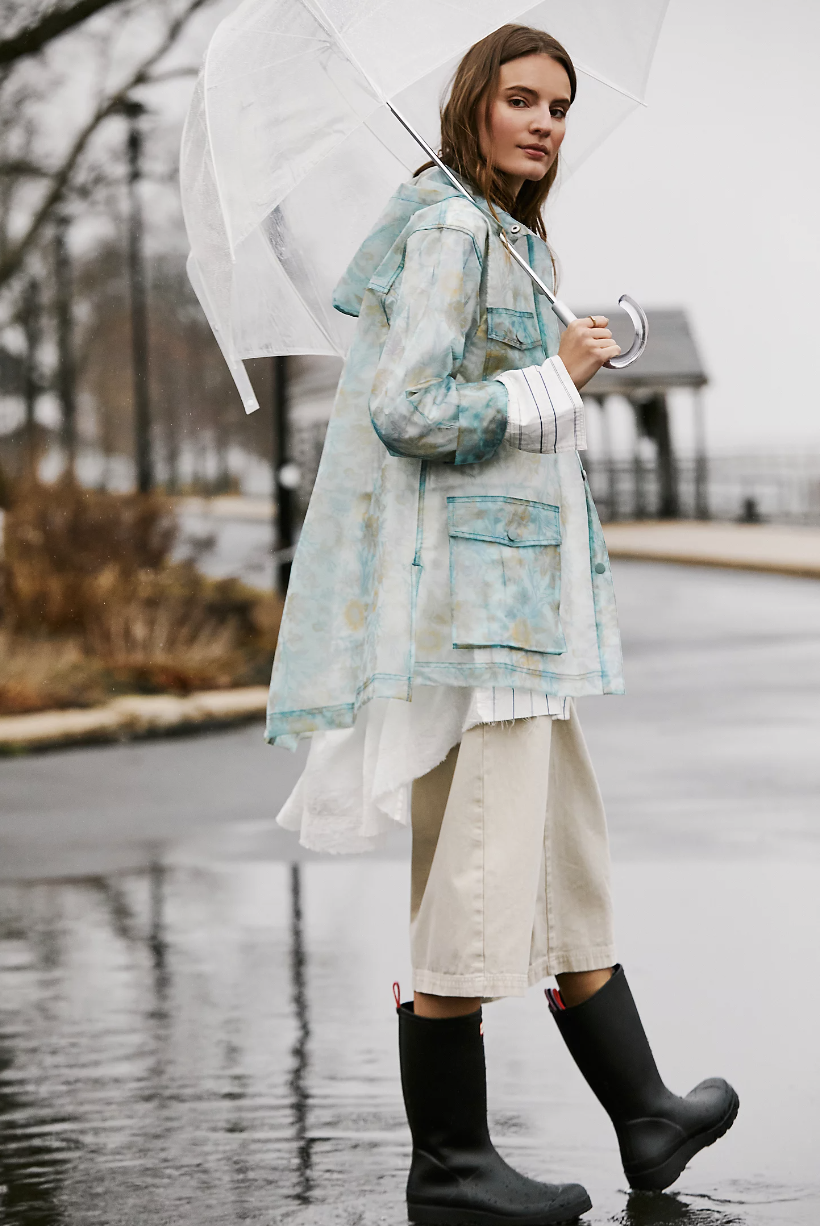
<point>635,312</point>
<point>641,324</point>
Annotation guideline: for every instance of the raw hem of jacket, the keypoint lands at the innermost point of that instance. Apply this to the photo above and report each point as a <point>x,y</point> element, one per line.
<point>286,728</point>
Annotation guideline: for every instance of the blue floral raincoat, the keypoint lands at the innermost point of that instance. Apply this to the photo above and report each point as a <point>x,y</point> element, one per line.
<point>433,551</point>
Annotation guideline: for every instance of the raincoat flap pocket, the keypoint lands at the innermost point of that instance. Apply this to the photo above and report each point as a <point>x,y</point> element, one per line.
<point>515,522</point>
<point>516,328</point>
<point>505,573</point>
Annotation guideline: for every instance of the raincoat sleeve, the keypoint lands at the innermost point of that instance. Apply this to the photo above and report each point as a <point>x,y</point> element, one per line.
<point>417,405</point>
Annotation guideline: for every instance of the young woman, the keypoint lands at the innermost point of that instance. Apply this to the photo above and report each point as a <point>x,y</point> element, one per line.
<point>451,596</point>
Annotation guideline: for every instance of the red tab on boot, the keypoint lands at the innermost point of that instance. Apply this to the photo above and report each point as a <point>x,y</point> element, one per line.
<point>554,1000</point>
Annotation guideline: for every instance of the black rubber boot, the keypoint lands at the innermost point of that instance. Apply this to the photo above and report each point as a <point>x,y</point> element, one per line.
<point>456,1177</point>
<point>658,1132</point>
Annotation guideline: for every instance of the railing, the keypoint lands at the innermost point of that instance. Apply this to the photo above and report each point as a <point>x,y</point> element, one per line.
<point>748,488</point>
<point>751,489</point>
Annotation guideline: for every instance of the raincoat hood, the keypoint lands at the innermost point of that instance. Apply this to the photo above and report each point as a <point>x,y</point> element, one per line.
<point>430,188</point>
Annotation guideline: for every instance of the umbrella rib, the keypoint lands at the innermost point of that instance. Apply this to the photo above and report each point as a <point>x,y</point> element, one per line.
<point>319,14</point>
<point>597,76</point>
<point>383,142</point>
<point>287,59</point>
<point>302,38</point>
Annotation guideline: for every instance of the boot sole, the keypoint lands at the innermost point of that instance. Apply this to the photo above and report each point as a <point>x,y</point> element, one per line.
<point>662,1176</point>
<point>429,1215</point>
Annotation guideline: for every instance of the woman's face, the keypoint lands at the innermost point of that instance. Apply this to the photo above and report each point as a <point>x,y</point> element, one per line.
<point>527,118</point>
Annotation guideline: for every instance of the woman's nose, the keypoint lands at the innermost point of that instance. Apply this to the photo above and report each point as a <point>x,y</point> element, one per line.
<point>541,122</point>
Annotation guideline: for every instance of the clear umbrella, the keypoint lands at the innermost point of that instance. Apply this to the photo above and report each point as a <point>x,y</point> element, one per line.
<point>309,113</point>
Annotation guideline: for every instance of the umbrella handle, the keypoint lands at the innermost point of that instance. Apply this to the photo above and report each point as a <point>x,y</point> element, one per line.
<point>635,312</point>
<point>639,321</point>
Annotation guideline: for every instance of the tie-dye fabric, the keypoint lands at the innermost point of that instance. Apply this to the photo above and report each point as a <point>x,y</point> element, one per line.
<point>434,552</point>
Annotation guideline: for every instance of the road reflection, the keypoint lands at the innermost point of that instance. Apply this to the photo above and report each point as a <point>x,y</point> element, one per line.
<point>298,1081</point>
<point>670,1209</point>
<point>208,1044</point>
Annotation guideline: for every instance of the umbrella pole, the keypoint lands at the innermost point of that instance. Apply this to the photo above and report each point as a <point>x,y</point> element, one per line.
<point>566,316</point>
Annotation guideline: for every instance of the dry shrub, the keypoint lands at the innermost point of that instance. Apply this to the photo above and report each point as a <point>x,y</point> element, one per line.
<point>64,546</point>
<point>162,638</point>
<point>36,674</point>
<point>93,569</point>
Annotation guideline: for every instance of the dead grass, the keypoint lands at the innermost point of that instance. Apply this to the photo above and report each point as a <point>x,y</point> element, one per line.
<point>92,606</point>
<point>37,674</point>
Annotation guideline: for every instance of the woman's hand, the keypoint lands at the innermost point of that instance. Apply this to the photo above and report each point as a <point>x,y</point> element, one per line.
<point>586,344</point>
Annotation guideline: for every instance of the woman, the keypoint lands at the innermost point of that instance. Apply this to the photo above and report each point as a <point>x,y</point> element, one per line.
<point>450,598</point>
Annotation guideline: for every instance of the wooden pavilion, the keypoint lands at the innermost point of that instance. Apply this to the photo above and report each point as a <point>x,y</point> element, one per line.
<point>671,360</point>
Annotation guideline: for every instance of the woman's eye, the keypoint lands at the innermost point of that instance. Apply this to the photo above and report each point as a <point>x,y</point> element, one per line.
<point>518,102</point>
<point>558,112</point>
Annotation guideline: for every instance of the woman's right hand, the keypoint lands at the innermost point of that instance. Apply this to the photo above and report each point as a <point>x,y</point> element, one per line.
<point>585,345</point>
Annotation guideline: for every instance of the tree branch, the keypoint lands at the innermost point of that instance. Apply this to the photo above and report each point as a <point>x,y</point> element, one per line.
<point>14,256</point>
<point>21,168</point>
<point>34,37</point>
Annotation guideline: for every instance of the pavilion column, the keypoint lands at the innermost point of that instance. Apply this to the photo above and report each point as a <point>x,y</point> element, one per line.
<point>701,461</point>
<point>639,503</point>
<point>612,499</point>
<point>653,417</point>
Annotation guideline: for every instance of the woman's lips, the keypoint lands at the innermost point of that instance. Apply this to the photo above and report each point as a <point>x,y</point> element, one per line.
<point>534,151</point>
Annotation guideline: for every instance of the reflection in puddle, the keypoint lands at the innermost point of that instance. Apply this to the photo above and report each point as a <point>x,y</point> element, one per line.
<point>204,1046</point>
<point>298,1077</point>
<point>669,1209</point>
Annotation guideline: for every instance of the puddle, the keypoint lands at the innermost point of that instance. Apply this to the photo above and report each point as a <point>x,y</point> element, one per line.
<point>216,1044</point>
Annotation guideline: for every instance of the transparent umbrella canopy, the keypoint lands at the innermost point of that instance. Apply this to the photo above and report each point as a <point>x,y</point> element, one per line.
<point>308,114</point>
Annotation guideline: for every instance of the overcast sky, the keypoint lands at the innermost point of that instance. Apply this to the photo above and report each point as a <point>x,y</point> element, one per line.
<point>708,199</point>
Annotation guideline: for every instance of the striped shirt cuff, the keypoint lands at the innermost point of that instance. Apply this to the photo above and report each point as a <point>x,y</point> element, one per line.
<point>544,409</point>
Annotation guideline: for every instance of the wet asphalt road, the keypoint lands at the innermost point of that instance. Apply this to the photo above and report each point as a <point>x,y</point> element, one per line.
<point>193,1029</point>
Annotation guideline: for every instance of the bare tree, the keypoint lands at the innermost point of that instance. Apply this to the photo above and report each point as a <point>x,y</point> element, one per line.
<point>45,27</point>
<point>46,182</point>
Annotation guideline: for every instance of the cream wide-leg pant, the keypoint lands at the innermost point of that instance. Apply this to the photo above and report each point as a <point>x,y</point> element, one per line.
<point>510,867</point>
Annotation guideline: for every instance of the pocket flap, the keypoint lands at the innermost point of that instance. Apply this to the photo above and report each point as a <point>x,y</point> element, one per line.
<point>506,521</point>
<point>516,328</point>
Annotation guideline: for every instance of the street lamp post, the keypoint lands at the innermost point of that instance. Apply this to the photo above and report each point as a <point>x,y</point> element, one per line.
<point>285,476</point>
<point>66,366</point>
<point>32,329</point>
<point>133,112</point>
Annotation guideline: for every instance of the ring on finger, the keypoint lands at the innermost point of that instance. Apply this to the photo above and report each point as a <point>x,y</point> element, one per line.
<point>592,320</point>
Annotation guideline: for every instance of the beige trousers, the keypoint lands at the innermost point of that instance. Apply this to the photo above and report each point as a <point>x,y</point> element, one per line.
<point>510,869</point>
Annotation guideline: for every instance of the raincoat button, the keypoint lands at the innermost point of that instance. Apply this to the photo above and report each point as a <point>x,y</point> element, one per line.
<point>599,568</point>
<point>512,536</point>
<point>515,229</point>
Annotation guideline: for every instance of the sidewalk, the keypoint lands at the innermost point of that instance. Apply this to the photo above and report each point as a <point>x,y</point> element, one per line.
<point>767,547</point>
<point>760,547</point>
<point>135,715</point>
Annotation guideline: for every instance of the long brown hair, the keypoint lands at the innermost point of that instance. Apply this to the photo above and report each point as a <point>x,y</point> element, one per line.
<point>475,86</point>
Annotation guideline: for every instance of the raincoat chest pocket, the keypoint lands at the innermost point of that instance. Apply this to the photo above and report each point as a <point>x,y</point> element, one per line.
<point>513,340</point>
<point>505,573</point>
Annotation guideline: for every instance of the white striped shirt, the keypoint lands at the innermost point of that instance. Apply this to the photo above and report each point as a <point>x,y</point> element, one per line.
<point>545,412</point>
<point>502,702</point>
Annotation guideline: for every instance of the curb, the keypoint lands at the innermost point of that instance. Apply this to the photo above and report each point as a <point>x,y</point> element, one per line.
<point>754,547</point>
<point>131,717</point>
